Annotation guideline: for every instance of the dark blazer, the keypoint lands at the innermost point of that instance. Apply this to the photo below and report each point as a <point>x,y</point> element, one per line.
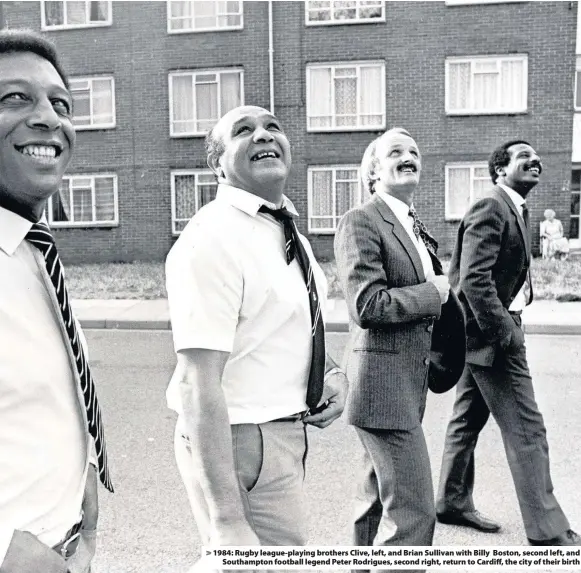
<point>391,313</point>
<point>489,265</point>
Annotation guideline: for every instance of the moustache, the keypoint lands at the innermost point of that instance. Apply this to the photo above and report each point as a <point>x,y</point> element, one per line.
<point>532,164</point>
<point>407,165</point>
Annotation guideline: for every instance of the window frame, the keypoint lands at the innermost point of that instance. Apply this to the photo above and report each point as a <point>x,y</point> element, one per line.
<point>194,73</point>
<point>187,172</point>
<point>473,165</point>
<point>577,74</point>
<point>88,224</point>
<point>89,24</point>
<point>499,58</point>
<point>94,127</point>
<point>346,64</point>
<point>334,22</point>
<point>310,190</point>
<point>202,30</point>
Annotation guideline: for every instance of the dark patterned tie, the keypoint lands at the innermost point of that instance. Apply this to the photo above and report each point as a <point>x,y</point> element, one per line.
<point>295,247</point>
<point>421,232</point>
<point>528,282</point>
<point>41,238</point>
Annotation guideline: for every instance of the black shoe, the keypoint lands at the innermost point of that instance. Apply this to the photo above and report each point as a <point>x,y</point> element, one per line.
<point>567,538</point>
<point>472,519</point>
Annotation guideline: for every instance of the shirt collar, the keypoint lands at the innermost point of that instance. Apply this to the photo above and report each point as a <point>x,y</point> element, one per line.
<point>401,209</point>
<point>249,203</point>
<point>517,199</point>
<point>13,230</point>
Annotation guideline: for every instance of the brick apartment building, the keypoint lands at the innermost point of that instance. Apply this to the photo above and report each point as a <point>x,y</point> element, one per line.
<point>150,78</point>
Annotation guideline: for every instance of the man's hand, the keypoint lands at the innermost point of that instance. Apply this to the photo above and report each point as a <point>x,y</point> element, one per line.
<point>91,500</point>
<point>334,393</point>
<point>442,283</point>
<point>26,554</point>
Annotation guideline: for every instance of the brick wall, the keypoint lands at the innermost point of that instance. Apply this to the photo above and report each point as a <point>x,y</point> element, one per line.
<point>414,42</point>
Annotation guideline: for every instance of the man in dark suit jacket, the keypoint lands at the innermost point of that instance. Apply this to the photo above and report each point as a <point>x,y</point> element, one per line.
<point>385,261</point>
<point>490,273</point>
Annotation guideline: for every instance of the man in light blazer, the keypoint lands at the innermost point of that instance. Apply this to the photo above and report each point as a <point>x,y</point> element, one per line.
<point>386,262</point>
<point>489,271</point>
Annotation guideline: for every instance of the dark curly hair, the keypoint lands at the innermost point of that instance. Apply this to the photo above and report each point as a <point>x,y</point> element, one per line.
<point>500,157</point>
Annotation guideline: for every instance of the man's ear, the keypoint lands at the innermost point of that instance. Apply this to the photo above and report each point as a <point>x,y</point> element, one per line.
<point>500,170</point>
<point>214,164</point>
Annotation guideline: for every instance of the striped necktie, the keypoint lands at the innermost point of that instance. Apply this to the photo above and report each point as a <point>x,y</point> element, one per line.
<point>295,248</point>
<point>41,238</point>
<point>421,232</point>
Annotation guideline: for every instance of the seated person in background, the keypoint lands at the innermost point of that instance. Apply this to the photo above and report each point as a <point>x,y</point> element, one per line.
<point>553,243</point>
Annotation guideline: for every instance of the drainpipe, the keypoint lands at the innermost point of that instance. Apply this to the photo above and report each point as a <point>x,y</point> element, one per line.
<point>270,57</point>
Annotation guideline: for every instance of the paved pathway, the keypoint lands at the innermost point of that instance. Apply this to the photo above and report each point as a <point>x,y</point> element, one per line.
<point>542,317</point>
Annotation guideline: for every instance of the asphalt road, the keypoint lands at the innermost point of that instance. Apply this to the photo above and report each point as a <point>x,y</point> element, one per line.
<point>146,526</point>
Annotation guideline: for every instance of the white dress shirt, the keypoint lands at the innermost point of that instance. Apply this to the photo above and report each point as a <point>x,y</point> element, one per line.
<point>519,303</point>
<point>44,446</point>
<point>401,211</point>
<point>230,289</point>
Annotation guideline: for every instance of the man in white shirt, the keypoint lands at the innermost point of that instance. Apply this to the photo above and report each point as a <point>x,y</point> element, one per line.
<point>48,488</point>
<point>244,324</point>
<point>395,291</point>
<point>490,270</point>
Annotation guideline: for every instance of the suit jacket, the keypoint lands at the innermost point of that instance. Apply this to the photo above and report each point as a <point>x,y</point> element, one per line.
<point>391,313</point>
<point>489,266</point>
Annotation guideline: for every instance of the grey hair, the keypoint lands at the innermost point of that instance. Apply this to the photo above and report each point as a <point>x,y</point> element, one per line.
<point>369,160</point>
<point>548,212</point>
<point>214,145</point>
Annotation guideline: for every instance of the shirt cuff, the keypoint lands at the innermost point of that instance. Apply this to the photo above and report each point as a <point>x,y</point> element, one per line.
<point>6,534</point>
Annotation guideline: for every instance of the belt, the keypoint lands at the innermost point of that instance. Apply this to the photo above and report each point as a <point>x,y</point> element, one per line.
<point>67,547</point>
<point>515,312</point>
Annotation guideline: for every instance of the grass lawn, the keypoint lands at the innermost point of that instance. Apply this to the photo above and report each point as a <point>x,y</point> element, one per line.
<point>552,280</point>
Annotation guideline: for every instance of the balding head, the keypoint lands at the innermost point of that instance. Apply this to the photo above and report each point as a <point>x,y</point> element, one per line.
<point>247,149</point>
<point>369,162</point>
<point>215,137</point>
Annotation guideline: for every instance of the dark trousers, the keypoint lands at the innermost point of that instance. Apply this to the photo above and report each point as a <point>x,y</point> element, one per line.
<point>506,390</point>
<point>395,497</point>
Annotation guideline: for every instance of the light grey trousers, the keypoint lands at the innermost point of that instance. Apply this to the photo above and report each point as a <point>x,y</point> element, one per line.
<point>269,460</point>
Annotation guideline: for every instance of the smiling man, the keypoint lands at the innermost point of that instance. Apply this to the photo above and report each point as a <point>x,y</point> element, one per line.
<point>395,290</point>
<point>490,270</point>
<point>48,406</point>
<point>246,299</point>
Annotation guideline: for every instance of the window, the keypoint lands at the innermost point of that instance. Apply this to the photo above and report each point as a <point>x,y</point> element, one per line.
<point>322,12</point>
<point>58,15</point>
<point>333,190</point>
<point>94,102</point>
<point>482,85</point>
<point>196,16</point>
<point>346,97</point>
<point>198,99</point>
<point>190,191</point>
<point>578,84</point>
<point>465,182</point>
<point>85,201</point>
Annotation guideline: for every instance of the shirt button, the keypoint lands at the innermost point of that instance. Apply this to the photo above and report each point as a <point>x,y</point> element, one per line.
<point>426,361</point>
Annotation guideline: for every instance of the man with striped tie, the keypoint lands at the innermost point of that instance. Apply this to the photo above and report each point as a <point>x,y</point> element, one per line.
<point>395,290</point>
<point>246,299</point>
<point>52,446</point>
